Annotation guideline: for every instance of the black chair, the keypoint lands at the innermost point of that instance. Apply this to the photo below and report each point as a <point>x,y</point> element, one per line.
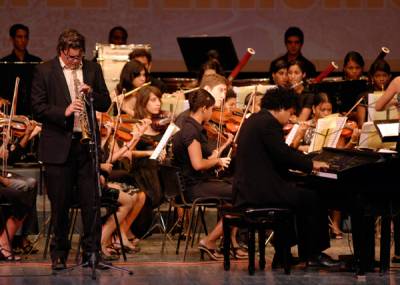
<point>173,186</point>
<point>280,220</point>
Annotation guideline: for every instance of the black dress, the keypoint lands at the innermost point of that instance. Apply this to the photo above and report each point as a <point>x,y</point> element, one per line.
<point>197,183</point>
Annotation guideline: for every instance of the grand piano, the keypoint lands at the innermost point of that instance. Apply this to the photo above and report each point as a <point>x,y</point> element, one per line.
<point>364,184</point>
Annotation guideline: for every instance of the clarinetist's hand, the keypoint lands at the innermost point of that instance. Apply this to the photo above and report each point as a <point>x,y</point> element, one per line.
<point>84,88</point>
<point>75,106</point>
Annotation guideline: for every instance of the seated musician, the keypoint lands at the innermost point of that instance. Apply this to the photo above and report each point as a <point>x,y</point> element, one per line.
<point>380,75</point>
<point>322,107</point>
<point>144,56</point>
<point>133,75</point>
<point>278,73</point>
<point>21,192</point>
<point>130,203</point>
<point>388,98</point>
<point>192,155</point>
<point>297,81</point>
<point>216,85</point>
<point>255,106</point>
<point>230,101</point>
<point>16,152</point>
<point>263,161</point>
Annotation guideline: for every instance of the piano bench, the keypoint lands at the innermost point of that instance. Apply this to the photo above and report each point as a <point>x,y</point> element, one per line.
<point>258,219</point>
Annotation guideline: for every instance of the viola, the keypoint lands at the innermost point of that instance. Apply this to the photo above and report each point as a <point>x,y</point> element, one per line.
<point>125,127</point>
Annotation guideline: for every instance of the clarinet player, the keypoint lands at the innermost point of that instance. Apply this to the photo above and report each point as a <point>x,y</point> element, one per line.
<point>67,161</point>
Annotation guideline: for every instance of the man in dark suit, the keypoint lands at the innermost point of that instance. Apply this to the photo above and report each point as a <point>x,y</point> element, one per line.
<point>68,164</point>
<point>261,175</point>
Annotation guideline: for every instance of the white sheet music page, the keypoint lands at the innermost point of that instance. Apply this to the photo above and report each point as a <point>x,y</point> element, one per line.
<point>291,134</point>
<point>171,130</point>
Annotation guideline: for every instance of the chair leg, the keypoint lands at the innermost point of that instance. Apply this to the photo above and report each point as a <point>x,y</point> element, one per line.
<point>261,248</point>
<point>199,213</point>
<point>118,229</point>
<point>189,230</point>
<point>203,221</point>
<point>252,242</point>
<point>227,243</point>
<point>166,232</point>
<point>180,232</point>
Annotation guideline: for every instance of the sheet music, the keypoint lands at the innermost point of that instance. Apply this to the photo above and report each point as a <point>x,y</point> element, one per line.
<point>327,132</point>
<point>171,130</point>
<point>291,135</point>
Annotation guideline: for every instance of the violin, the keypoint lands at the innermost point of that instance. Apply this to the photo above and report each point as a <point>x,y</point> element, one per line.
<point>214,133</point>
<point>18,124</point>
<point>348,129</point>
<point>230,119</point>
<point>125,127</point>
<point>160,122</point>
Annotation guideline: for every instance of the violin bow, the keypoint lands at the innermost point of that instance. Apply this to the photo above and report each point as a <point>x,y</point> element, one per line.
<point>7,135</point>
<point>119,106</point>
<point>252,99</point>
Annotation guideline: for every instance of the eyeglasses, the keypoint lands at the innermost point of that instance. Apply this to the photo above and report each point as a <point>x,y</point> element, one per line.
<point>75,57</point>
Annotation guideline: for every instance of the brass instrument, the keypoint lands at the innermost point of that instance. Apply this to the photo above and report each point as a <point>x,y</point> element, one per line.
<point>83,116</point>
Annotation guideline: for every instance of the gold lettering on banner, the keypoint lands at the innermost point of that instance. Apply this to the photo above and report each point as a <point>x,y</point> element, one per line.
<point>176,4</point>
<point>94,3</point>
<point>224,4</point>
<point>297,4</point>
<point>61,3</point>
<point>20,3</point>
<point>140,3</point>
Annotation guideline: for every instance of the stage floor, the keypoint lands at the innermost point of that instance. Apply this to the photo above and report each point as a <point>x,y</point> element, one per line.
<point>150,267</point>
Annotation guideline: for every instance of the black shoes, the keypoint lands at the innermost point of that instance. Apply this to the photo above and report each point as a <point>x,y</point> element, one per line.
<point>323,260</point>
<point>58,263</point>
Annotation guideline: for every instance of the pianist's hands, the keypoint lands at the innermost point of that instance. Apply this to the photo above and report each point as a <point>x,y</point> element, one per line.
<point>320,166</point>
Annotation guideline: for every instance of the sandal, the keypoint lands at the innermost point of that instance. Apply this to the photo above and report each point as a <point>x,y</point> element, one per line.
<point>212,253</point>
<point>7,255</point>
<point>239,253</point>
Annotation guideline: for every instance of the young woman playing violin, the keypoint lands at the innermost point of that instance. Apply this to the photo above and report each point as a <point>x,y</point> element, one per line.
<point>130,203</point>
<point>322,108</point>
<point>192,155</point>
<point>148,106</point>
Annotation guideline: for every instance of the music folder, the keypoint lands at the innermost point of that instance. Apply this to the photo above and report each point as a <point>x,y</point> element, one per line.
<point>388,130</point>
<point>195,51</point>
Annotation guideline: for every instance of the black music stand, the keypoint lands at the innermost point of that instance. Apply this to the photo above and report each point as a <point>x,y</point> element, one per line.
<point>195,51</point>
<point>343,94</point>
<point>388,130</point>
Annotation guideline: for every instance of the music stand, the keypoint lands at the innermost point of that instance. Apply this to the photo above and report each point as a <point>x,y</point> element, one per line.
<point>343,94</point>
<point>388,130</point>
<point>195,51</point>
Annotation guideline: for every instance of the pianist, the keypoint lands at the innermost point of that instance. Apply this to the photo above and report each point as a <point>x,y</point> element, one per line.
<point>263,161</point>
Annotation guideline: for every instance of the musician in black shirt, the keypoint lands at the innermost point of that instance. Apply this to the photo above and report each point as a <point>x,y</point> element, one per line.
<point>261,175</point>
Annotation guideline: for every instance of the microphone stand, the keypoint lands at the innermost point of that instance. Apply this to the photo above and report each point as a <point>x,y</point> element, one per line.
<point>93,146</point>
<point>93,260</point>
